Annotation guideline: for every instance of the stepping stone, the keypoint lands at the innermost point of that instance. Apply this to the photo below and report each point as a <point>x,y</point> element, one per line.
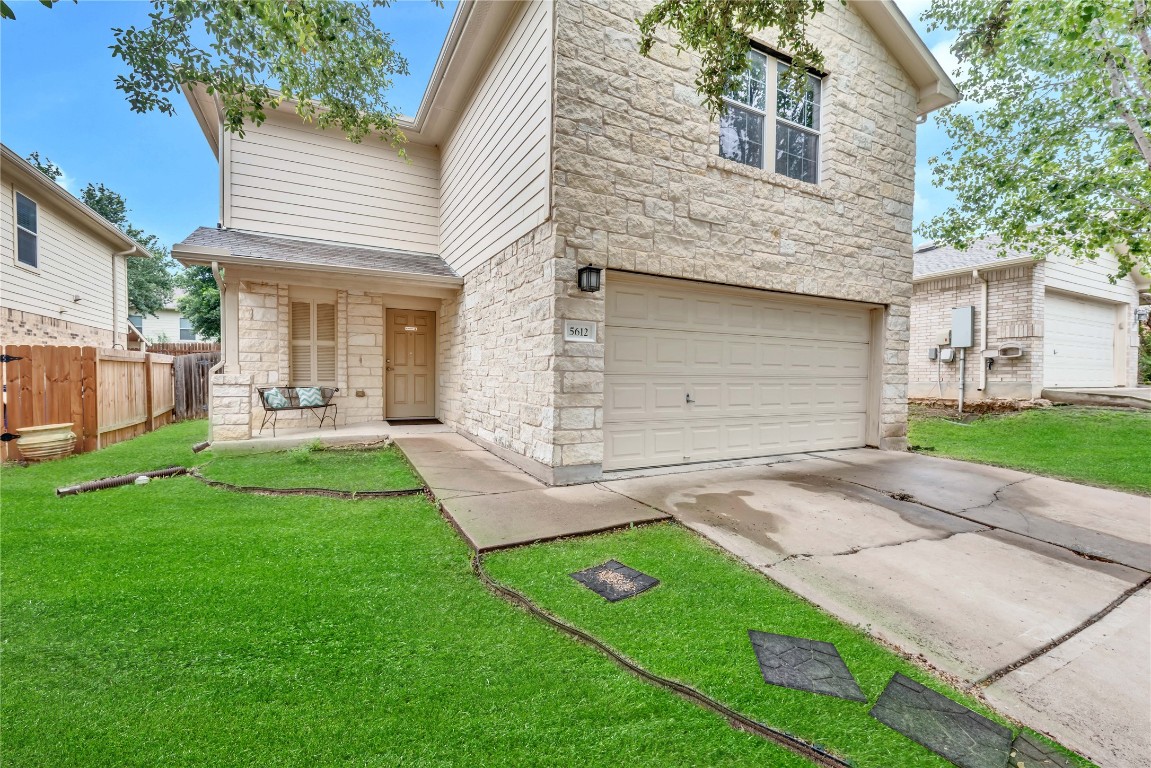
<point>1029,752</point>
<point>966,738</point>
<point>615,581</point>
<point>805,665</point>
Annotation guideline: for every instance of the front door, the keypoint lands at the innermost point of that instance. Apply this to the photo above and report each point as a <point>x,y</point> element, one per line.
<point>410,365</point>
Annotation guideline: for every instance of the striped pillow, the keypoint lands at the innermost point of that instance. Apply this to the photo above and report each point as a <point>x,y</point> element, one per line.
<point>274,398</point>
<point>309,396</point>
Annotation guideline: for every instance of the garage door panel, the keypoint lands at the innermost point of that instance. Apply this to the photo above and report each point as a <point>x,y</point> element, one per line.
<point>1078,342</point>
<point>764,375</point>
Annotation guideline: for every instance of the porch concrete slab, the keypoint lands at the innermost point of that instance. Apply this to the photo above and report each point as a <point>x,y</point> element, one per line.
<point>972,603</point>
<point>1061,691</point>
<point>436,443</point>
<point>765,515</point>
<point>494,521</point>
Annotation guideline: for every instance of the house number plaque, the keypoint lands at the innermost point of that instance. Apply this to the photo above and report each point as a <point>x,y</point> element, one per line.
<point>579,330</point>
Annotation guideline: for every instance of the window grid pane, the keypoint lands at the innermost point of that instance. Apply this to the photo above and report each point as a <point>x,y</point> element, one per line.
<point>796,152</point>
<point>741,136</point>
<point>26,213</point>
<point>26,248</point>
<point>803,111</point>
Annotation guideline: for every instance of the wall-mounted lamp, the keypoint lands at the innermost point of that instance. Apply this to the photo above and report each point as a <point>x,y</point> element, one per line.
<point>589,278</point>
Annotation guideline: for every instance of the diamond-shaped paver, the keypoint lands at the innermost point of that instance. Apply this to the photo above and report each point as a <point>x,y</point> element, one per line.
<point>615,581</point>
<point>947,728</point>
<point>805,665</point>
<point>1029,752</point>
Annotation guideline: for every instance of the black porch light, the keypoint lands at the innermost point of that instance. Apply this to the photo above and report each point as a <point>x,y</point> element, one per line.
<point>589,278</point>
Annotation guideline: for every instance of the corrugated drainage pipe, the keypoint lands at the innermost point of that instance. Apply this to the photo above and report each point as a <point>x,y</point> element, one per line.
<point>118,480</point>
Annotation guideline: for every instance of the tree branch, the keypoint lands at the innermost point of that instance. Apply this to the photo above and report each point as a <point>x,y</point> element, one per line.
<point>1117,88</point>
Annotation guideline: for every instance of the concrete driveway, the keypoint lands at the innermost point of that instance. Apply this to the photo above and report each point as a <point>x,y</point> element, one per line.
<point>1034,590</point>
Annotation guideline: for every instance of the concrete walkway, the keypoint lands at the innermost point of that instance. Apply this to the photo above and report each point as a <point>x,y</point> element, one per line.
<point>1036,590</point>
<point>495,504</point>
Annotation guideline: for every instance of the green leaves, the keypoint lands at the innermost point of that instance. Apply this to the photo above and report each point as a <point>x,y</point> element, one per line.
<point>325,57</point>
<point>719,31</point>
<point>201,301</point>
<point>1050,149</point>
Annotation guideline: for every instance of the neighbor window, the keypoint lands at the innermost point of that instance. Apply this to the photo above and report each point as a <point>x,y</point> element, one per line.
<point>27,232</point>
<point>137,322</point>
<point>313,342</point>
<point>186,331</point>
<point>787,125</point>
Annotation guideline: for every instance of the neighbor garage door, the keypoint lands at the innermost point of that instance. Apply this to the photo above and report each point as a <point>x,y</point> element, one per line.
<point>1078,342</point>
<point>696,372</point>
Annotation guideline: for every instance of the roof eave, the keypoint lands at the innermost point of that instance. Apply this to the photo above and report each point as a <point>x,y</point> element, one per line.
<point>997,264</point>
<point>32,176</point>
<point>198,255</point>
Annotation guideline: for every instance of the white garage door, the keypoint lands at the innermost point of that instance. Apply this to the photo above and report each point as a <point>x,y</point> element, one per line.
<point>1078,342</point>
<point>702,373</point>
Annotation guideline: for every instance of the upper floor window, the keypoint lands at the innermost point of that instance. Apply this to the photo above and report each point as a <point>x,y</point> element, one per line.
<point>758,116</point>
<point>186,331</point>
<point>27,232</point>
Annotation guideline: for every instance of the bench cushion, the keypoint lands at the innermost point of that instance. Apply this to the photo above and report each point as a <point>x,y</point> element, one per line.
<point>309,396</point>
<point>274,398</point>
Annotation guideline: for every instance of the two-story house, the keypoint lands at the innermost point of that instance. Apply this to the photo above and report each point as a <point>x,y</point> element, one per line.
<point>63,267</point>
<point>754,272</point>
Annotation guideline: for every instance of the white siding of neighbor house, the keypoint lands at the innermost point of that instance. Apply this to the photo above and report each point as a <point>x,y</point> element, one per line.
<point>287,177</point>
<point>71,261</point>
<point>494,181</point>
<point>166,323</point>
<point>1089,278</point>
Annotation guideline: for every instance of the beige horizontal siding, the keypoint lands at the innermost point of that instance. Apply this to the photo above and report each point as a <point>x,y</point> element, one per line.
<point>1089,278</point>
<point>494,182</point>
<point>71,262</point>
<point>289,178</point>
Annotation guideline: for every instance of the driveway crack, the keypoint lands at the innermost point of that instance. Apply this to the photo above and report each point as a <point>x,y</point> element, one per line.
<point>857,550</point>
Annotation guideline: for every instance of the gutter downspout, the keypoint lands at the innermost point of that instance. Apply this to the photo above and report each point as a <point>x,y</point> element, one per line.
<point>115,307</point>
<point>982,331</point>
<point>216,368</point>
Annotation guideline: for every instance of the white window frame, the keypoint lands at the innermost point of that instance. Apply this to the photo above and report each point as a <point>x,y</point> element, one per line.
<point>189,329</point>
<point>770,115</point>
<point>17,229</point>
<point>312,343</point>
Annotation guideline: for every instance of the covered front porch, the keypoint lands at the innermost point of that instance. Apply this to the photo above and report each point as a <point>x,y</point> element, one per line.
<point>362,325</point>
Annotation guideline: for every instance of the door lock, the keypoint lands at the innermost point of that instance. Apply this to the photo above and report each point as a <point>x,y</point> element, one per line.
<point>688,398</point>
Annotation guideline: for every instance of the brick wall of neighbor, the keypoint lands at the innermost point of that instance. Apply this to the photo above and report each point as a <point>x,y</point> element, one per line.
<point>18,327</point>
<point>639,186</point>
<point>1015,315</point>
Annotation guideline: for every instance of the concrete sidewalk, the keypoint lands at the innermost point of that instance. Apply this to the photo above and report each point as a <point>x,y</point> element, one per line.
<point>496,505</point>
<point>977,568</point>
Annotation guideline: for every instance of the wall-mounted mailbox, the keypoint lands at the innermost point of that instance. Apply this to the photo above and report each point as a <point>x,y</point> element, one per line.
<point>1010,350</point>
<point>947,355</point>
<point>963,327</point>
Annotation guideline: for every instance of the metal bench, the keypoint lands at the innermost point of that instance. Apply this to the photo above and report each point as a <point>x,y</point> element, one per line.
<point>291,398</point>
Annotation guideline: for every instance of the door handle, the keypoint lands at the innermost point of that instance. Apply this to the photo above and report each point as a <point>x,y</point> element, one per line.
<point>389,368</point>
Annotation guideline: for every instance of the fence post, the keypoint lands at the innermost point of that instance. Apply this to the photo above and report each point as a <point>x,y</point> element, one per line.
<point>90,432</point>
<point>149,420</point>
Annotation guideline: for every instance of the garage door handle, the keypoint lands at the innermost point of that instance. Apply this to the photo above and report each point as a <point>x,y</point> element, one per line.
<point>688,397</point>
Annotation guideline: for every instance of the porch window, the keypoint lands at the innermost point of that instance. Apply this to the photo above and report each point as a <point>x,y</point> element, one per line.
<point>313,343</point>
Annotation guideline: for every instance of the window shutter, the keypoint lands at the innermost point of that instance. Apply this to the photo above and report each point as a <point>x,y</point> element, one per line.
<point>301,334</point>
<point>325,344</point>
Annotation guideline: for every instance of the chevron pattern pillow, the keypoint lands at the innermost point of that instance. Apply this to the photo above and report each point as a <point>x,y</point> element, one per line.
<point>274,398</point>
<point>309,396</point>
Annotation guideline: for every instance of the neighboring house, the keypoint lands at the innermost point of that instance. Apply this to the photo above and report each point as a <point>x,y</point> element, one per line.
<point>745,310</point>
<point>1050,322</point>
<point>63,268</point>
<point>167,325</point>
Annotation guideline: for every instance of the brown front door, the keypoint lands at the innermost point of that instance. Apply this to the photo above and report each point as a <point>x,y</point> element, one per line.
<point>410,376</point>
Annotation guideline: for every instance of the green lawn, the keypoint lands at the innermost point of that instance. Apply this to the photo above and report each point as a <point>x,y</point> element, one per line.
<point>381,469</point>
<point>1110,448</point>
<point>176,624</point>
<point>693,628</point>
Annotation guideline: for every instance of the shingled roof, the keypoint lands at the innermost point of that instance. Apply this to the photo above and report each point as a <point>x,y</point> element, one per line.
<point>282,251</point>
<point>931,259</point>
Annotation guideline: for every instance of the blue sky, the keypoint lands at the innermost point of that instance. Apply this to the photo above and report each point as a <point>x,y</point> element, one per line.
<point>58,97</point>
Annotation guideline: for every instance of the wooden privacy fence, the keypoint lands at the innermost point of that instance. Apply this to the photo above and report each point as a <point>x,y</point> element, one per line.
<point>108,395</point>
<point>191,379</point>
<point>178,348</point>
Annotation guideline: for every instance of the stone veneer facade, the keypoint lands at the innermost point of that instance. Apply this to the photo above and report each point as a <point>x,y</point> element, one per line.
<point>1015,313</point>
<point>19,327</point>
<point>637,185</point>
